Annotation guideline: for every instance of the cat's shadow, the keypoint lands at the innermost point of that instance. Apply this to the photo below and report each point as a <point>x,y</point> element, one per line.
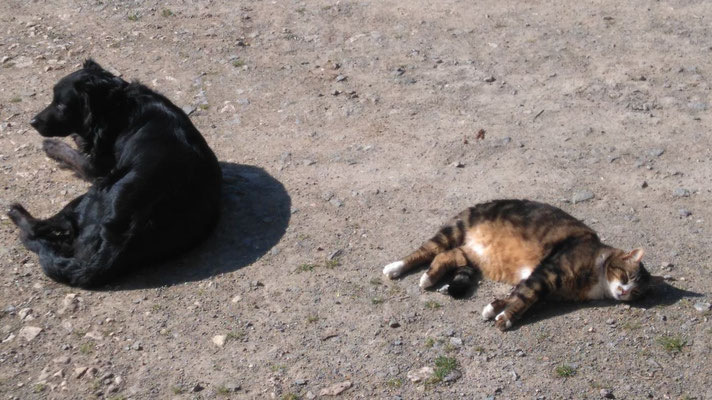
<point>659,296</point>
<point>254,214</point>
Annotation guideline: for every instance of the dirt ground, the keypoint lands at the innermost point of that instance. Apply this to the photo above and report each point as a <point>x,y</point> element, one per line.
<point>348,134</point>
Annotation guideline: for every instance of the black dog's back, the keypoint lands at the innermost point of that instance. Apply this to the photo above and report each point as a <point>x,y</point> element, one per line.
<point>156,187</point>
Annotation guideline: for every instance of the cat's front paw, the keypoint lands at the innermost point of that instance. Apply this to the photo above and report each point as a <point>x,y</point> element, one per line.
<point>502,321</point>
<point>493,309</point>
<point>425,281</point>
<point>394,269</point>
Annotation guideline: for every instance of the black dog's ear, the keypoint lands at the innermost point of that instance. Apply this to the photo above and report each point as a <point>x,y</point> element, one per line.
<point>91,65</point>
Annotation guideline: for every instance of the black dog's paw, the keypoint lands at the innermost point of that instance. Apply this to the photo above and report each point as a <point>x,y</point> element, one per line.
<point>56,149</point>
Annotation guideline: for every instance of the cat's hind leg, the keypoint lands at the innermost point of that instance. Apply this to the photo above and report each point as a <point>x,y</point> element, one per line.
<point>449,237</point>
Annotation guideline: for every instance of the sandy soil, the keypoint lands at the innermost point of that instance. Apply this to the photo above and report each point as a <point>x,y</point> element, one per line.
<point>348,134</point>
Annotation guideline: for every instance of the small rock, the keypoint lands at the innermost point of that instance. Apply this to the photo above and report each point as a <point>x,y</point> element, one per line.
<point>310,395</point>
<point>456,342</point>
<point>458,164</point>
<point>29,332</point>
<point>656,152</point>
<point>582,195</point>
<point>340,78</point>
<point>336,202</point>
<point>490,79</point>
<point>684,212</point>
<point>452,376</point>
<point>335,389</point>
<point>137,346</point>
<point>197,388</point>
<point>232,387</point>
<point>515,375</point>
<point>80,371</point>
<point>70,303</point>
<point>61,360</point>
<point>424,373</point>
<point>607,394</point>
<point>393,323</point>
<point>681,192</point>
<point>96,335</point>
<point>24,313</point>
<point>188,110</point>
<point>219,340</point>
<point>610,321</point>
<point>336,254</point>
<point>702,306</point>
<point>644,185</point>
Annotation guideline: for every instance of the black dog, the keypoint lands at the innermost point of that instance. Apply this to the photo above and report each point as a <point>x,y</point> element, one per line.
<point>155,182</point>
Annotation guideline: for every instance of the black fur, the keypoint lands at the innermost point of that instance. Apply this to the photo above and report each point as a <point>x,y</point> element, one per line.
<point>155,182</point>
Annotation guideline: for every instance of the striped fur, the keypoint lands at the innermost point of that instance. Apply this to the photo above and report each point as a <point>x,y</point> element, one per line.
<point>539,248</point>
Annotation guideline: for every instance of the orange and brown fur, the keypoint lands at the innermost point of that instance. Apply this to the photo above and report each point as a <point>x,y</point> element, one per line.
<point>537,247</point>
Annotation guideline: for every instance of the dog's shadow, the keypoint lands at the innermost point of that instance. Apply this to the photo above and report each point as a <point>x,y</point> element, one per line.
<point>254,214</point>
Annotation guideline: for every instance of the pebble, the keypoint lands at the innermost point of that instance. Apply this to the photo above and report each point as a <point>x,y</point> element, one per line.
<point>582,195</point>
<point>490,79</point>
<point>656,152</point>
<point>607,394</point>
<point>336,254</point>
<point>393,323</point>
<point>29,332</point>
<point>80,371</point>
<point>702,306</point>
<point>197,387</point>
<point>456,342</point>
<point>188,110</point>
<point>137,346</point>
<point>418,375</point>
<point>24,313</point>
<point>219,340</point>
<point>684,212</point>
<point>458,164</point>
<point>681,192</point>
<point>233,387</point>
<point>610,321</point>
<point>336,202</point>
<point>70,303</point>
<point>452,376</point>
<point>340,78</point>
<point>61,360</point>
<point>335,389</point>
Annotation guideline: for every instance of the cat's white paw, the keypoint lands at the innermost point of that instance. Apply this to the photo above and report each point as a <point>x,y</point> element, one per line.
<point>507,324</point>
<point>394,269</point>
<point>488,312</point>
<point>425,281</point>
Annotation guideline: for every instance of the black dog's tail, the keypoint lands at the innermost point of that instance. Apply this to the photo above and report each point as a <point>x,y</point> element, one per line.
<point>462,282</point>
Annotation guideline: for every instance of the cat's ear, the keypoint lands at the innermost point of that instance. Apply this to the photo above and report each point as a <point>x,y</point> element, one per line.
<point>634,256</point>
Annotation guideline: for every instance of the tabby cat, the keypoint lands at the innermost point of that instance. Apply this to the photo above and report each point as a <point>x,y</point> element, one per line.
<point>537,247</point>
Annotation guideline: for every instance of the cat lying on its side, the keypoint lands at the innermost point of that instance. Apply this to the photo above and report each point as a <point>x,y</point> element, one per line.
<point>537,247</point>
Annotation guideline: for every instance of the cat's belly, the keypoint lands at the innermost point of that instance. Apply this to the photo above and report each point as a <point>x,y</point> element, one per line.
<point>500,256</point>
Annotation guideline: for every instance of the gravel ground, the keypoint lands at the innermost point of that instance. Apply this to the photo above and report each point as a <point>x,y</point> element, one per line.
<point>348,132</point>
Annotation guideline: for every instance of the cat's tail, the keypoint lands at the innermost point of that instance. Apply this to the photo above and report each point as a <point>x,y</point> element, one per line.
<point>448,237</point>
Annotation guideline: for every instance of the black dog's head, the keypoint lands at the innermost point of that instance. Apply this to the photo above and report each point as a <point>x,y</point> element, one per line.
<point>73,99</point>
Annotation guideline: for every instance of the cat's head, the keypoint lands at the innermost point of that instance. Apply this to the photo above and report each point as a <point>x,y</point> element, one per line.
<point>627,277</point>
